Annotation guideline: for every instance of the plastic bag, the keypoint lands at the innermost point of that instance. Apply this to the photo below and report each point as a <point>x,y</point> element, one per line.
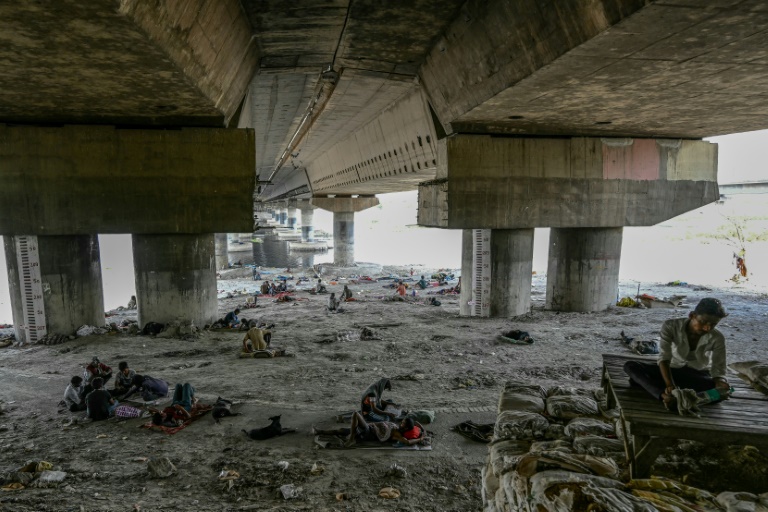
<point>596,445</point>
<point>510,400</point>
<point>520,425</point>
<point>523,388</point>
<point>503,456</point>
<point>87,330</point>
<point>588,426</point>
<point>571,406</point>
<point>566,491</point>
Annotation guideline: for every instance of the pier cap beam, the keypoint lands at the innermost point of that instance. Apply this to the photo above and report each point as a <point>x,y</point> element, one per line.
<point>100,179</point>
<point>522,182</point>
<point>345,204</point>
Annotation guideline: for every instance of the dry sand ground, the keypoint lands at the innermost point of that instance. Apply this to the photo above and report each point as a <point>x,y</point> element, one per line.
<point>459,372</point>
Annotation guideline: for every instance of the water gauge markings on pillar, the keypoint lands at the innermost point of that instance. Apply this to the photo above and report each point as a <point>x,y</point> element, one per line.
<point>31,285</point>
<point>481,278</point>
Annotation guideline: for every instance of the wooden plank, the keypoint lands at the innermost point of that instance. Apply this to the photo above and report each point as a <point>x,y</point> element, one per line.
<point>713,412</point>
<point>731,406</point>
<point>680,424</point>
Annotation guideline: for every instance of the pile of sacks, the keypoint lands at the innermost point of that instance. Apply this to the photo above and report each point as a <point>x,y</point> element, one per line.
<point>553,449</point>
<point>756,373</point>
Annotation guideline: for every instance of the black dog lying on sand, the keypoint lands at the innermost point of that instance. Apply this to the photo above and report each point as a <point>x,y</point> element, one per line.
<point>221,408</point>
<point>273,430</point>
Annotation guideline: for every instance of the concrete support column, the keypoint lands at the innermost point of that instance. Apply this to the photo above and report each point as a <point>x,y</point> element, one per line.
<point>498,265</point>
<point>344,209</point>
<point>307,227</point>
<point>344,239</point>
<point>175,278</point>
<point>292,217</point>
<point>283,217</point>
<point>222,251</point>
<point>583,269</point>
<point>70,274</point>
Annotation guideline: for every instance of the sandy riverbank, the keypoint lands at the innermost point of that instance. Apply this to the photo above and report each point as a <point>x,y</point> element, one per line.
<point>437,360</point>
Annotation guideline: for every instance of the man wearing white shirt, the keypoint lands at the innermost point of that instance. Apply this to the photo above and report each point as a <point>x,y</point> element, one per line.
<point>691,356</point>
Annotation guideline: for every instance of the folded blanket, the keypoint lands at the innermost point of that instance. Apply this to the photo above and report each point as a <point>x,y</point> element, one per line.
<point>197,412</point>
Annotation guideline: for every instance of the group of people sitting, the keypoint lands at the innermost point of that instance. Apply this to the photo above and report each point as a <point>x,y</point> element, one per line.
<point>273,288</point>
<point>334,303</point>
<point>89,393</point>
<point>378,420</point>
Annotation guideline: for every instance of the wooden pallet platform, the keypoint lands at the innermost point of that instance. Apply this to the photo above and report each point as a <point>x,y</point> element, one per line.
<point>741,420</point>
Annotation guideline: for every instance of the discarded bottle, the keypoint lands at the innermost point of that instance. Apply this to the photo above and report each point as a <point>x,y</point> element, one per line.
<point>712,395</point>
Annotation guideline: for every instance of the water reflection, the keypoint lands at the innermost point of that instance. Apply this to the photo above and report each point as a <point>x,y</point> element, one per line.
<point>273,252</point>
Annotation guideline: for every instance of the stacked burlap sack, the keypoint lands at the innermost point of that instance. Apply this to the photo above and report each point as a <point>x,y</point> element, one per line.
<point>558,450</point>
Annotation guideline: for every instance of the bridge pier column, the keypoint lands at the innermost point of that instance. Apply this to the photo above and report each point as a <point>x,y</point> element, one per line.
<point>344,209</point>
<point>496,267</point>
<point>292,217</point>
<point>70,280</point>
<point>222,251</point>
<point>307,222</point>
<point>175,278</point>
<point>344,239</point>
<point>283,217</point>
<point>583,268</point>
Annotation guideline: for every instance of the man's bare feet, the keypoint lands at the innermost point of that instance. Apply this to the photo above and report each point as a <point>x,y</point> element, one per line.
<point>350,442</point>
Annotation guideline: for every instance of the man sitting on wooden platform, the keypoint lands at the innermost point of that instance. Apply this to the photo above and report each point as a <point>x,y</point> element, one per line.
<point>692,356</point>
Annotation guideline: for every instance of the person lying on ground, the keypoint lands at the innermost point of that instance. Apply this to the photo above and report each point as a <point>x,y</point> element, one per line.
<point>333,303</point>
<point>99,403</point>
<point>691,355</point>
<point>346,294</point>
<point>149,387</point>
<point>422,283</point>
<point>97,369</point>
<point>256,339</point>
<point>407,432</point>
<point>401,288</point>
<point>372,405</point>
<point>231,319</point>
<point>74,395</point>
<point>180,409</point>
<point>124,379</point>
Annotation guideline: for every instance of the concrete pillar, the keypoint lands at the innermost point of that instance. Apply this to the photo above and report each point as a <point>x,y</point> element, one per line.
<point>175,278</point>
<point>344,239</point>
<point>222,251</point>
<point>498,263</point>
<point>292,217</point>
<point>583,269</point>
<point>307,227</point>
<point>283,216</point>
<point>70,275</point>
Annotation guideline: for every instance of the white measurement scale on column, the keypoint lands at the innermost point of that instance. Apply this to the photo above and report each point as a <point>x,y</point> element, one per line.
<point>31,286</point>
<point>481,272</point>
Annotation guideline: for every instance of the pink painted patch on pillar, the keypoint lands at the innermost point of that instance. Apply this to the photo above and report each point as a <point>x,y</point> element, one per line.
<point>637,161</point>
